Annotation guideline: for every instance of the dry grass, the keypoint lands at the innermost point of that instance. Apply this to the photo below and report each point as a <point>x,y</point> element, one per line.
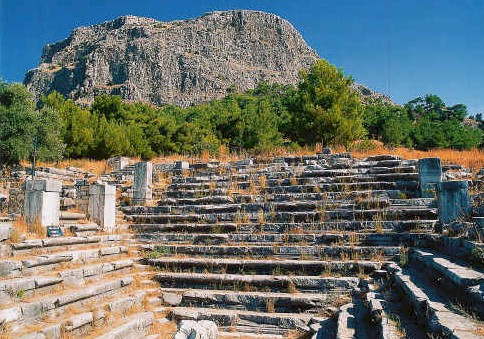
<point>164,331</point>
<point>21,229</point>
<point>473,159</point>
<point>270,305</point>
<point>90,165</point>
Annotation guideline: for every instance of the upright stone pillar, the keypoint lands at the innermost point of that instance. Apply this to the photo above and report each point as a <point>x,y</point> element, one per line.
<point>42,202</point>
<point>453,201</point>
<point>102,205</point>
<point>429,176</point>
<point>143,183</point>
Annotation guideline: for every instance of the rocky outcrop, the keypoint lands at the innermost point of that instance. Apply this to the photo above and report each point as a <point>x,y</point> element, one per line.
<point>179,62</point>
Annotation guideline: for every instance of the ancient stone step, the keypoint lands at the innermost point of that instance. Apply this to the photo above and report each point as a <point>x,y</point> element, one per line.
<point>133,327</point>
<point>49,245</point>
<point>85,319</point>
<point>381,325</point>
<point>249,321</point>
<point>321,251</point>
<point>292,186</point>
<point>274,282</point>
<point>309,237</point>
<point>310,194</point>
<point>346,322</point>
<point>265,266</point>
<point>33,265</point>
<point>252,301</point>
<point>461,282</point>
<point>391,213</point>
<point>290,228</point>
<point>222,227</point>
<point>36,306</point>
<point>285,206</point>
<point>432,309</point>
<point>461,276</point>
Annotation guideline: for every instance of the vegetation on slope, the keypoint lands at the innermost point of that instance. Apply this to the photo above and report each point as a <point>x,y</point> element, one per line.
<point>321,109</point>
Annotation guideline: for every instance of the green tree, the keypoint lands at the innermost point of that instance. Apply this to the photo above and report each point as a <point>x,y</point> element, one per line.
<point>388,123</point>
<point>77,125</point>
<point>20,122</point>
<point>325,108</point>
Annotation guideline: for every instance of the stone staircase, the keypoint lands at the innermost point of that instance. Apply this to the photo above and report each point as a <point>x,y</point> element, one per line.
<point>321,246</point>
<point>289,245</point>
<point>84,286</point>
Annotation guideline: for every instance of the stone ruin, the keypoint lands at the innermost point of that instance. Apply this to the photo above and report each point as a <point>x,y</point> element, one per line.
<point>322,246</point>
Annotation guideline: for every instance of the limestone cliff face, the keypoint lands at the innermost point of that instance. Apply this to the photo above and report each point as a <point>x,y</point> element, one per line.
<point>179,62</point>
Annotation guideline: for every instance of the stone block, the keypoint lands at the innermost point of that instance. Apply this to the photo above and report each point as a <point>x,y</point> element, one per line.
<point>102,205</point>
<point>171,299</point>
<point>429,176</point>
<point>453,201</point>
<point>133,327</point>
<point>182,165</point>
<point>53,331</point>
<point>5,231</point>
<point>42,202</point>
<point>109,250</point>
<point>10,314</point>
<point>143,183</point>
<point>118,163</point>
<point>32,310</point>
<point>33,335</point>
<point>79,320</point>
<point>43,185</point>
<point>205,329</point>
<point>10,268</point>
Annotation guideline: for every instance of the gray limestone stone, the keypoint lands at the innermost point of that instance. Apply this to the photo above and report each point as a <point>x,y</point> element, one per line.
<point>79,320</point>
<point>429,176</point>
<point>5,231</point>
<point>102,205</point>
<point>143,183</point>
<point>453,201</point>
<point>191,329</point>
<point>172,299</point>
<point>10,268</point>
<point>10,314</point>
<point>182,165</point>
<point>42,207</point>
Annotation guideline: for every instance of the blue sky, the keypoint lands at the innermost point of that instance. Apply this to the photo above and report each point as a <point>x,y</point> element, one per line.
<point>402,48</point>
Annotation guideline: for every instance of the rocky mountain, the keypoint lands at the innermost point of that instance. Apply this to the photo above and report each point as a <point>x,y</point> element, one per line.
<point>179,62</point>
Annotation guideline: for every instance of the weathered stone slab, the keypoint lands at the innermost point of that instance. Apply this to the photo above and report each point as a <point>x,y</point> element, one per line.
<point>305,282</point>
<point>430,172</point>
<point>5,231</point>
<point>27,244</point>
<point>190,329</point>
<point>10,314</point>
<point>122,264</point>
<point>143,183</point>
<point>102,205</point>
<point>79,320</point>
<point>172,299</point>
<point>44,281</point>
<point>459,275</point>
<point>110,250</point>
<point>19,284</point>
<point>453,201</point>
<point>133,327</point>
<point>47,260</point>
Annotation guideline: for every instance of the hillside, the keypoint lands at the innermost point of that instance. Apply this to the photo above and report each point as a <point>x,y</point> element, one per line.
<point>179,62</point>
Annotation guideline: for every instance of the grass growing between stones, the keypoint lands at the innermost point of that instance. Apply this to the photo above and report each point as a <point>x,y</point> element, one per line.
<point>21,230</point>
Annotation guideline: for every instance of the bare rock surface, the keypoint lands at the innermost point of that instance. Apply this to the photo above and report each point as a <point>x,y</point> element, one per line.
<point>179,62</point>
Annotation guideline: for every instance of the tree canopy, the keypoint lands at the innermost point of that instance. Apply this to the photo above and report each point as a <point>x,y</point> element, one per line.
<point>322,108</point>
